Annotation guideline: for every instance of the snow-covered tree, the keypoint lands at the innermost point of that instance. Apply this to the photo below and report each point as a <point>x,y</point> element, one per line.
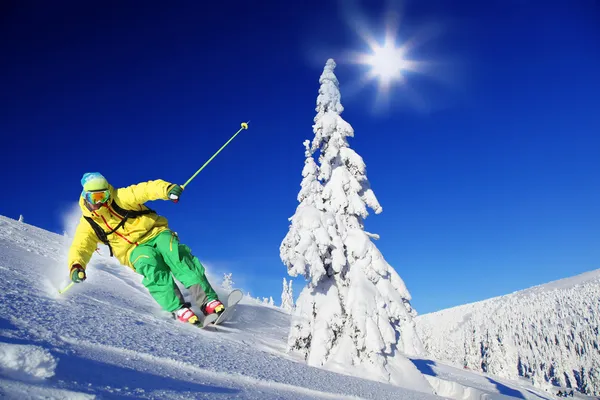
<point>287,296</point>
<point>21,218</point>
<point>355,308</point>
<point>256,299</point>
<point>268,301</point>
<point>227,283</point>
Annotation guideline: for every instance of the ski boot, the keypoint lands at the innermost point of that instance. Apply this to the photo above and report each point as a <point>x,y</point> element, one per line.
<point>186,315</point>
<point>213,307</point>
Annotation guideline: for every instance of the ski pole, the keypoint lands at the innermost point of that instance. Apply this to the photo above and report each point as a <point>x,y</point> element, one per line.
<point>61,291</point>
<point>244,126</point>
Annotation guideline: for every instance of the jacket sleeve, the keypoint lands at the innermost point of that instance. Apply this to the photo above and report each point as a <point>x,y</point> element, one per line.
<point>84,244</point>
<point>132,196</point>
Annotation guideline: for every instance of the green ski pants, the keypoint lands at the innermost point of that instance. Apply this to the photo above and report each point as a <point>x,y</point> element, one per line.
<point>164,257</point>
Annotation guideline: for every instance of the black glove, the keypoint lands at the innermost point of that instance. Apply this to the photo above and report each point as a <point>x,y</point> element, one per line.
<point>174,192</point>
<point>77,273</point>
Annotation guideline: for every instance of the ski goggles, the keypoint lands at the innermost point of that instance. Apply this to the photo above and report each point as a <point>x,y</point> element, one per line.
<point>97,196</point>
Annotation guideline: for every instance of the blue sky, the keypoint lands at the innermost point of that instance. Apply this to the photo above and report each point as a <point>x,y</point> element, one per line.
<point>488,183</point>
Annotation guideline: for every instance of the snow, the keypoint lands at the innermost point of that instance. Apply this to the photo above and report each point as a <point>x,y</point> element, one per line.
<point>109,338</point>
<point>106,338</point>
<point>26,361</point>
<point>548,334</point>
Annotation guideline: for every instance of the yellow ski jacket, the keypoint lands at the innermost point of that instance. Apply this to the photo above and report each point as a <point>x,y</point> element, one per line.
<point>132,233</point>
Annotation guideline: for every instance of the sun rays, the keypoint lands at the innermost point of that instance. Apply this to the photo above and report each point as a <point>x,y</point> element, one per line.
<point>389,62</point>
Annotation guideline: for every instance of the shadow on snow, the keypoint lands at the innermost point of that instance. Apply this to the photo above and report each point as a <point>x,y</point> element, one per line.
<point>85,375</point>
<point>505,390</point>
<point>95,376</point>
<point>424,366</point>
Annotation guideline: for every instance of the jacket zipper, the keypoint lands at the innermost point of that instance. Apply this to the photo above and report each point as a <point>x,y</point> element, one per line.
<point>121,236</point>
<point>113,212</point>
<point>118,216</point>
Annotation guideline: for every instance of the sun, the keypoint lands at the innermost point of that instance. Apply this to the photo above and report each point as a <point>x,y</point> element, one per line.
<point>387,64</point>
<point>389,61</point>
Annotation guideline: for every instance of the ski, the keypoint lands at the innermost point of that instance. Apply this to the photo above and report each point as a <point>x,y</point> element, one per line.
<point>232,299</point>
<point>208,320</point>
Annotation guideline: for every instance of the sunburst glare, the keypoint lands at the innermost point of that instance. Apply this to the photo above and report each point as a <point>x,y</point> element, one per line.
<point>389,61</point>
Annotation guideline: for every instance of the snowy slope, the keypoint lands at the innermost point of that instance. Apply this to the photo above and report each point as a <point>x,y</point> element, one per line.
<point>106,339</point>
<point>547,334</point>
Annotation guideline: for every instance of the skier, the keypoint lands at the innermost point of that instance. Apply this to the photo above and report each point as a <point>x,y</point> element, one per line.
<point>140,239</point>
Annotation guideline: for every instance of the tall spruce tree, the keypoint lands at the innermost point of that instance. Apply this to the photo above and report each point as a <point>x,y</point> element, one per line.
<point>355,309</point>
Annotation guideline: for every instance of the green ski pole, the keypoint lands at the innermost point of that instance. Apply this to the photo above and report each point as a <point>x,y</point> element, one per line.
<point>61,291</point>
<point>244,126</point>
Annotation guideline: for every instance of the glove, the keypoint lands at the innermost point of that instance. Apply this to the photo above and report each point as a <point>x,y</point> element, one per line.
<point>174,192</point>
<point>77,273</point>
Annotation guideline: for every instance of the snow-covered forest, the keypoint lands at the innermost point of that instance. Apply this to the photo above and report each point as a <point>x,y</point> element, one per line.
<point>547,334</point>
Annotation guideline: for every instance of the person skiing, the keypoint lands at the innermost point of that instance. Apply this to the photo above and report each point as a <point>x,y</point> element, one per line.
<point>141,240</point>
